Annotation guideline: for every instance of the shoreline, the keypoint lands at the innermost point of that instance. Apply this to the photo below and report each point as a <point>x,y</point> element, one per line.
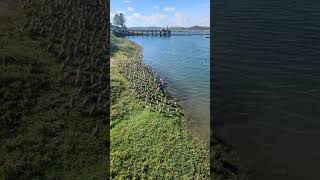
<point>227,161</point>
<point>137,60</point>
<point>161,131</point>
<point>186,115</point>
<point>190,124</point>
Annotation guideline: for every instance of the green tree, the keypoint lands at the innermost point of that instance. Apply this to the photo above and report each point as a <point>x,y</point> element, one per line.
<point>119,20</point>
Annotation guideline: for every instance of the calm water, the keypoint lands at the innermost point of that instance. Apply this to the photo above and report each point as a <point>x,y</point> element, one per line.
<point>183,62</point>
<point>267,93</point>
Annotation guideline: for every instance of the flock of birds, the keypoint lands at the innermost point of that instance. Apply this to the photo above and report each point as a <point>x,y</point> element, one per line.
<point>147,86</point>
<point>75,32</point>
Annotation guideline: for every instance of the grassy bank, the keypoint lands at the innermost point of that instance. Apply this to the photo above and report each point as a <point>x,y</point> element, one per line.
<point>45,130</point>
<point>146,143</point>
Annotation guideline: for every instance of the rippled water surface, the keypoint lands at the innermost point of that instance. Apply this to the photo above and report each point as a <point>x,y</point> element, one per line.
<point>267,99</point>
<point>183,62</point>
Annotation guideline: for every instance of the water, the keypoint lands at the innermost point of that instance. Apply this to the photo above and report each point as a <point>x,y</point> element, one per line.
<point>267,93</point>
<point>183,62</point>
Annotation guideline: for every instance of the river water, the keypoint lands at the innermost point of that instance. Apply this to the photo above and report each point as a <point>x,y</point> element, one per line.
<point>183,62</point>
<point>267,93</point>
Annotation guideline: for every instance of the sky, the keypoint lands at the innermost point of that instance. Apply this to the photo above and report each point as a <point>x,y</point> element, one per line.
<point>162,13</point>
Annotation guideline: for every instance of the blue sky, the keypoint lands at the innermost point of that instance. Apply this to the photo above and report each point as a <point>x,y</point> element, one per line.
<point>162,12</point>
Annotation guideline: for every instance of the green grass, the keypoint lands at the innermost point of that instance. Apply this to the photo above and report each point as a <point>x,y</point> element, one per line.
<point>41,136</point>
<point>146,144</point>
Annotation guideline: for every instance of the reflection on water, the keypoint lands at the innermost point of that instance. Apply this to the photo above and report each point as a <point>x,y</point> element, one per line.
<point>267,103</point>
<point>183,63</point>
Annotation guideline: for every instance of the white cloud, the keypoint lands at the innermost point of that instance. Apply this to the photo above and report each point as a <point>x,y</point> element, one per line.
<point>181,19</point>
<point>111,16</point>
<point>136,19</point>
<point>204,21</point>
<point>127,1</point>
<point>118,11</point>
<point>169,9</point>
<point>160,18</point>
<point>130,9</point>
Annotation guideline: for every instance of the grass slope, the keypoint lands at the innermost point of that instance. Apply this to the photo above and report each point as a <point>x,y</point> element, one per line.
<point>41,137</point>
<point>146,144</point>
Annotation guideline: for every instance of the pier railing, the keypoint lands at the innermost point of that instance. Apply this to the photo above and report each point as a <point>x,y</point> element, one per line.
<point>131,32</point>
<point>159,32</point>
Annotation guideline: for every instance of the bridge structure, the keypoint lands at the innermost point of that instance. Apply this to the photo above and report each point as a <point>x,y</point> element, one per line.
<point>141,32</point>
<point>163,32</point>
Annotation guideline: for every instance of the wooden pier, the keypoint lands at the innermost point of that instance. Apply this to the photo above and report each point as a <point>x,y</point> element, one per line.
<point>133,32</point>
